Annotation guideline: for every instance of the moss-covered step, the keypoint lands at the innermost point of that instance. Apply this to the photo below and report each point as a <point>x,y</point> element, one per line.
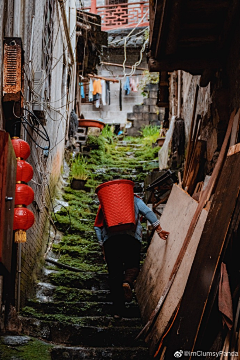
<point>46,291</point>
<point>104,320</point>
<point>78,308</point>
<point>77,240</point>
<point>24,348</point>
<point>81,280</point>
<point>79,253</point>
<point>101,353</point>
<point>78,335</point>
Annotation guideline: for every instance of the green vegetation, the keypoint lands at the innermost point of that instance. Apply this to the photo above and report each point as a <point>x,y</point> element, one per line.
<point>148,78</point>
<point>33,350</point>
<point>79,168</point>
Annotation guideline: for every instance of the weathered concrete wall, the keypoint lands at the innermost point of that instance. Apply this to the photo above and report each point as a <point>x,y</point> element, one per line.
<point>57,101</point>
<point>57,109</point>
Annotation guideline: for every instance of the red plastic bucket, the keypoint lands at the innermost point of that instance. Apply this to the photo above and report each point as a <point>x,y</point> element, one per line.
<point>117,201</point>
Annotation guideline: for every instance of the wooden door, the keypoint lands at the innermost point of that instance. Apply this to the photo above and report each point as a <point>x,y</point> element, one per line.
<point>8,166</point>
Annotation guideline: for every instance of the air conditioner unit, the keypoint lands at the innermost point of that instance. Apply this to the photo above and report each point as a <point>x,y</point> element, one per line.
<point>39,90</point>
<point>12,69</point>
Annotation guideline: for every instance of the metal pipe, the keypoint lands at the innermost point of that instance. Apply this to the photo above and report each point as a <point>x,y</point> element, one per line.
<point>65,25</point>
<point>16,18</point>
<point>19,275</point>
<point>1,292</point>
<point>30,53</point>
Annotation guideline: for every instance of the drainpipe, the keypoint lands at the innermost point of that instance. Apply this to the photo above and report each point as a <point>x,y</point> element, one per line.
<point>31,45</point>
<point>179,93</point>
<point>19,276</point>
<point>16,18</point>
<point>66,29</point>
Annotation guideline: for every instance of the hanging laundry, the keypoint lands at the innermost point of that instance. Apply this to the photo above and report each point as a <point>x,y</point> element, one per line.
<point>127,86</point>
<point>133,85</point>
<point>120,95</point>
<point>96,100</point>
<point>97,103</point>
<point>103,84</point>
<point>82,91</point>
<point>90,90</point>
<point>137,82</point>
<point>108,100</point>
<point>97,87</point>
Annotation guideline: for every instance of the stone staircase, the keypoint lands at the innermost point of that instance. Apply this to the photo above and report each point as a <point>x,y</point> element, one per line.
<point>72,309</point>
<point>147,113</point>
<point>82,328</point>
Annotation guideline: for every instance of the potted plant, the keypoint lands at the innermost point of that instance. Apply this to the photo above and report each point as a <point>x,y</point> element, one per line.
<point>79,173</point>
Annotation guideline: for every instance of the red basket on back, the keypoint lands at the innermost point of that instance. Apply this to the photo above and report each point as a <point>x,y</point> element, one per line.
<point>117,201</point>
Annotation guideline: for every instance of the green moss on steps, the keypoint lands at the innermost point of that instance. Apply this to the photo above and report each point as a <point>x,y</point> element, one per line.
<point>33,350</point>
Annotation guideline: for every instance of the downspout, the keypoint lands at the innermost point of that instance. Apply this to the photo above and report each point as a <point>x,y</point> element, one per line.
<point>65,25</point>
<point>16,33</point>
<point>19,276</point>
<point>16,18</point>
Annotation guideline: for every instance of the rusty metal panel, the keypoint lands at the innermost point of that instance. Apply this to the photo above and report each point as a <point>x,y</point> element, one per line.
<point>8,166</point>
<point>12,69</point>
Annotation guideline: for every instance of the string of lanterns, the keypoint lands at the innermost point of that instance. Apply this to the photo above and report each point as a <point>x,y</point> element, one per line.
<point>24,195</point>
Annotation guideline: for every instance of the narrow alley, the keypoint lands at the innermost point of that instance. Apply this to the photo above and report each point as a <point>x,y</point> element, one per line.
<point>71,308</point>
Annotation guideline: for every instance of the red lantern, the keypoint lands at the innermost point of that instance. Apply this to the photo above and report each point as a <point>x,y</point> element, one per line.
<point>23,220</point>
<point>21,148</point>
<point>24,171</point>
<point>24,195</point>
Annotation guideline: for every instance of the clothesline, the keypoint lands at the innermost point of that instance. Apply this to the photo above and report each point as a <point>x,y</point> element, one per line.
<point>99,89</point>
<point>103,78</point>
<point>121,65</point>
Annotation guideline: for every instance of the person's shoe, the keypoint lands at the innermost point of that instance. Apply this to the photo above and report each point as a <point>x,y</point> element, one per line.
<point>117,316</point>
<point>127,292</point>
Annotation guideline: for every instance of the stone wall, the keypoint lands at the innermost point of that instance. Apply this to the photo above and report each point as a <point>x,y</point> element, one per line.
<point>147,113</point>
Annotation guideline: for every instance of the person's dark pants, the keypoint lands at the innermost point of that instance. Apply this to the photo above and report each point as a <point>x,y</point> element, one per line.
<point>122,254</point>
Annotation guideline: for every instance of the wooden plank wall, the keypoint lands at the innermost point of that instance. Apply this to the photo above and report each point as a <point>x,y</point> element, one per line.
<point>160,260</point>
<point>187,326</point>
<point>8,166</point>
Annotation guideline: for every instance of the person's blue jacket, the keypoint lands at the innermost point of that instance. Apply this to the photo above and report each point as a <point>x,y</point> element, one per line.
<point>140,209</point>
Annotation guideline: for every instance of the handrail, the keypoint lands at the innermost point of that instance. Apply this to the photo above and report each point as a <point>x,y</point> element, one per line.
<point>114,5</point>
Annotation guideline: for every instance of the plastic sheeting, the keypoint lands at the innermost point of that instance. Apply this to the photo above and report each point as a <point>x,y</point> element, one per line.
<point>163,152</point>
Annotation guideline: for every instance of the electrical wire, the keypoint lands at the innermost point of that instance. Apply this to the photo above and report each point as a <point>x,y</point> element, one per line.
<point>137,63</point>
<point>125,49</point>
<point>34,123</point>
<point>53,67</point>
<point>115,41</point>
